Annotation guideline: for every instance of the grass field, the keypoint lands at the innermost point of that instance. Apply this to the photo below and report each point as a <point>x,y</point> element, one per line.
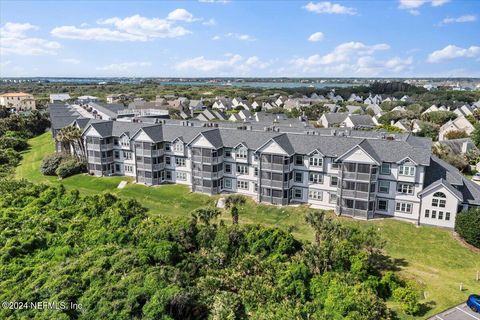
<point>429,256</point>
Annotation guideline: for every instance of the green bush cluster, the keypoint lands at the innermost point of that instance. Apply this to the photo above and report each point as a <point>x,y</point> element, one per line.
<point>467,224</point>
<point>62,165</point>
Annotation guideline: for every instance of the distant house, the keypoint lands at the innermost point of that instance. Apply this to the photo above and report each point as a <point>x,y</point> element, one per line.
<point>59,97</point>
<point>255,105</point>
<point>354,109</point>
<point>196,105</point>
<point>399,108</point>
<point>269,105</point>
<point>358,121</point>
<point>281,100</point>
<point>222,104</point>
<point>290,104</point>
<point>373,99</point>
<point>234,117</point>
<point>459,146</point>
<point>409,126</point>
<point>375,108</point>
<point>405,98</point>
<point>459,124</point>
<point>105,112</point>
<point>245,114</point>
<point>20,101</point>
<point>332,107</point>
<point>87,99</point>
<point>464,110</point>
<point>120,97</point>
<point>332,120</point>
<point>210,115</point>
<point>354,98</point>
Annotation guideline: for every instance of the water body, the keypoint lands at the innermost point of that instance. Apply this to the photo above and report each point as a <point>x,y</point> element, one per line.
<point>218,83</point>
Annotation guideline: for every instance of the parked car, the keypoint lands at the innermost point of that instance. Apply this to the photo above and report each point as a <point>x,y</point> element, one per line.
<point>473,302</point>
<point>476,176</point>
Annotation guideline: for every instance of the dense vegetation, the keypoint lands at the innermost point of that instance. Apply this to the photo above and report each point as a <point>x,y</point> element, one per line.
<point>15,129</point>
<point>467,225</point>
<point>118,262</point>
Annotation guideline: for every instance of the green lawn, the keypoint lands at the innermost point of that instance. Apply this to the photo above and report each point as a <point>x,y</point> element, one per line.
<point>430,256</point>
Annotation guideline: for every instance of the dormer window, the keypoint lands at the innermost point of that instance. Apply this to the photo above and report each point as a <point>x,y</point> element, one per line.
<point>241,153</point>
<point>407,169</point>
<point>315,161</point>
<point>178,147</point>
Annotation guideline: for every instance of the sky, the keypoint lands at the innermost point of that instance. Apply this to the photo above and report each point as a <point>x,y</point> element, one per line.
<point>238,38</point>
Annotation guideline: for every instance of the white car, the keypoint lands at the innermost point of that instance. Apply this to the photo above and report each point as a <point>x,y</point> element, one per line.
<point>476,176</point>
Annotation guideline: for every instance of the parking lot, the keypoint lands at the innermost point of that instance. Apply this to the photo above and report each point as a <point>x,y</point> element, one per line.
<point>461,312</point>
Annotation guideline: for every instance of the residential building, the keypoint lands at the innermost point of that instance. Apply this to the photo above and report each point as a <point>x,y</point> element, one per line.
<point>20,101</point>
<point>459,124</point>
<point>87,99</point>
<point>59,97</point>
<point>362,174</point>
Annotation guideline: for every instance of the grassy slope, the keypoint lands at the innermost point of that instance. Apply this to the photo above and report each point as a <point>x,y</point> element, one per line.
<point>431,256</point>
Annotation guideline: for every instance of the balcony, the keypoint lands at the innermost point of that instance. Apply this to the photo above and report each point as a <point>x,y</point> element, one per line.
<point>274,200</point>
<point>358,176</point>
<point>276,167</point>
<point>108,146</point>
<point>207,174</point>
<point>352,212</point>
<point>212,160</point>
<point>274,183</point>
<point>354,194</point>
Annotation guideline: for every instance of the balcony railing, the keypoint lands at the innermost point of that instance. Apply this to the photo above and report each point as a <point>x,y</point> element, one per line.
<point>354,194</point>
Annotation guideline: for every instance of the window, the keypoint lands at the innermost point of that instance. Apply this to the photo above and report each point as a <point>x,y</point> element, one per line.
<point>242,169</point>
<point>385,168</point>
<point>228,153</point>
<point>228,168</point>
<point>167,146</point>
<point>440,215</point>
<point>382,205</point>
<point>447,216</point>
<point>297,193</point>
<point>241,153</point>
<point>298,176</point>
<point>315,177</point>
<point>383,186</point>
<point>242,184</point>
<point>348,203</point>
<point>403,207</point>
<point>178,147</point>
<point>439,200</point>
<point>405,188</point>
<point>255,172</point>
<point>227,183</point>
<point>427,213</point>
<point>168,175</point>
<point>333,181</point>
<point>434,214</point>
<point>117,154</point>
<point>315,161</point>
<point>363,168</point>
<point>181,176</point>
<point>168,160</point>
<point>406,170</point>
<point>315,195</point>
<point>350,167</point>
<point>299,160</point>
<point>180,162</point>
<point>255,187</point>
<point>332,197</point>
<point>335,165</point>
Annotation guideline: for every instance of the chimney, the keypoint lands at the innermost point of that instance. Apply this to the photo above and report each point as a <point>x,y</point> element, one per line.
<point>392,122</point>
<point>465,146</point>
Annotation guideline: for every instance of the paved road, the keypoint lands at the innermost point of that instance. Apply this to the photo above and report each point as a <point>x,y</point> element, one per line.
<point>461,312</point>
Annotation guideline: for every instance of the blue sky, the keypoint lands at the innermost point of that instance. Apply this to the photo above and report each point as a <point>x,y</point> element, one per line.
<point>397,38</point>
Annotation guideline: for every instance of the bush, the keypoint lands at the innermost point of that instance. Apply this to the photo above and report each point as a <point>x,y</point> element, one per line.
<point>51,163</point>
<point>456,134</point>
<point>16,143</point>
<point>408,299</point>
<point>70,167</point>
<point>467,225</point>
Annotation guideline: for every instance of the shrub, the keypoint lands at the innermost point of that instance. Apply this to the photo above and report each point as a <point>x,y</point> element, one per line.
<point>467,225</point>
<point>70,167</point>
<point>456,134</point>
<point>16,143</point>
<point>408,299</point>
<point>51,163</point>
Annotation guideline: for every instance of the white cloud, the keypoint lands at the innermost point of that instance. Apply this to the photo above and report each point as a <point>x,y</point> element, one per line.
<point>413,5</point>
<point>242,37</point>
<point>351,58</point>
<point>329,7</point>
<point>461,19</point>
<point>216,38</point>
<point>70,61</point>
<point>123,67</point>
<point>14,40</point>
<point>317,36</point>
<point>231,64</point>
<point>452,52</point>
<point>133,28</point>
<point>180,15</point>
<point>210,22</point>
<point>341,54</point>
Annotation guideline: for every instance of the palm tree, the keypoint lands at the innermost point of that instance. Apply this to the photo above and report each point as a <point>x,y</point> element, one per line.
<point>315,219</point>
<point>206,214</point>
<point>71,138</point>
<point>233,202</point>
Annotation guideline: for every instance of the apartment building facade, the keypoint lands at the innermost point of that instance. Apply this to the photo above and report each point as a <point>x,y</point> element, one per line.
<point>20,101</point>
<point>357,176</point>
